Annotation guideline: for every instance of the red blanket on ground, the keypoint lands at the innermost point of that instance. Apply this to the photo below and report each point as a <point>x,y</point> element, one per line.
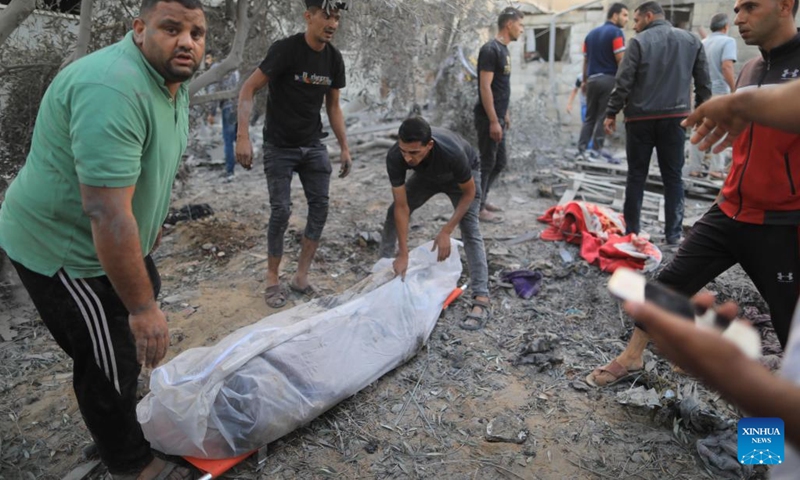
<point>600,233</point>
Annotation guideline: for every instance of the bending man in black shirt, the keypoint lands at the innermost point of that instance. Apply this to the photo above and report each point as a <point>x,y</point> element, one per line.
<point>442,162</point>
<point>300,71</point>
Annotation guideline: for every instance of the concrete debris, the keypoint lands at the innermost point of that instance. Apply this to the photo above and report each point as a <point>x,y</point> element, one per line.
<point>506,429</point>
<point>639,397</point>
<point>699,417</point>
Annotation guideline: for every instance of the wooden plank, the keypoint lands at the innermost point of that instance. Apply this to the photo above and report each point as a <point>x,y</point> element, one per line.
<point>619,200</point>
<point>523,238</point>
<point>569,194</point>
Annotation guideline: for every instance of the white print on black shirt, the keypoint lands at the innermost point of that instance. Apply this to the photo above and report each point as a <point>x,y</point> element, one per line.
<point>790,74</point>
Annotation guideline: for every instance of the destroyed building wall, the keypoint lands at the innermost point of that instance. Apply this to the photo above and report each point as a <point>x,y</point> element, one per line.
<point>529,55</point>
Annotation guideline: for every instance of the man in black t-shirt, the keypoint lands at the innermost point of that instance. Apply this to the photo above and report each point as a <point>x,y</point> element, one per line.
<point>442,162</point>
<point>301,71</point>
<point>491,111</point>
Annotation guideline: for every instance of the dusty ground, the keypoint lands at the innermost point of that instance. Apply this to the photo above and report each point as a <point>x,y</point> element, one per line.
<point>426,419</point>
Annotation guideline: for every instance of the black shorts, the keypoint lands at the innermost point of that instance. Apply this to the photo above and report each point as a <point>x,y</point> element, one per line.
<point>769,254</point>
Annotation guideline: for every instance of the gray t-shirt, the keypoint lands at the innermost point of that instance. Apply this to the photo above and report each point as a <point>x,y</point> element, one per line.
<point>719,47</point>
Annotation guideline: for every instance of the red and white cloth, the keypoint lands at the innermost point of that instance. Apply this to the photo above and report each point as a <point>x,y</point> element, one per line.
<point>600,232</point>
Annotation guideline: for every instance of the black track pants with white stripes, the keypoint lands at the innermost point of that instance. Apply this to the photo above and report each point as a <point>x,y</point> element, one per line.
<point>90,323</point>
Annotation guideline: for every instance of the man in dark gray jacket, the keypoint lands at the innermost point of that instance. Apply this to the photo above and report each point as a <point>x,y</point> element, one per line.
<point>653,85</point>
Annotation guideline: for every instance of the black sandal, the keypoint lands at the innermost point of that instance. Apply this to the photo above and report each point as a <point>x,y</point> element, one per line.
<point>476,321</point>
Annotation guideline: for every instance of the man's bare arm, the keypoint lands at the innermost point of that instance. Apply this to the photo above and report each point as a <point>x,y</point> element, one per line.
<point>402,213</point>
<point>487,101</point>
<point>723,118</point>
<point>619,56</point>
<point>244,149</point>
<point>571,99</point>
<point>728,75</point>
<point>712,358</point>
<point>467,196</point>
<point>336,117</point>
<point>116,238</point>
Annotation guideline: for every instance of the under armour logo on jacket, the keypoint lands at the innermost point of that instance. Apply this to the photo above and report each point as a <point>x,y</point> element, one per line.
<point>791,73</point>
<point>786,277</point>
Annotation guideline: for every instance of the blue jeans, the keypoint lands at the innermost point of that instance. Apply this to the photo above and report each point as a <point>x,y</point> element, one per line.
<point>314,168</point>
<point>419,191</point>
<point>668,138</point>
<point>583,119</point>
<point>229,136</point>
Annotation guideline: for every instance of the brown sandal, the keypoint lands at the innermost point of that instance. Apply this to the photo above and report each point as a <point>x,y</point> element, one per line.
<point>275,297</point>
<point>617,372</point>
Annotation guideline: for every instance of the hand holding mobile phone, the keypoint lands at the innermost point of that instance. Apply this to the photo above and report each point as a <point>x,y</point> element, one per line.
<point>626,284</point>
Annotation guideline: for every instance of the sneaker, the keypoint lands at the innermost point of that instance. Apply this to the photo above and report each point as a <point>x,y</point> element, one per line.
<point>228,178</point>
<point>593,156</point>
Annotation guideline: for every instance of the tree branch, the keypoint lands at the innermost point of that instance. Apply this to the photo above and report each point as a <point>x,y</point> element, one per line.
<point>215,97</point>
<point>234,58</point>
<point>27,66</point>
<point>14,14</point>
<point>84,34</point>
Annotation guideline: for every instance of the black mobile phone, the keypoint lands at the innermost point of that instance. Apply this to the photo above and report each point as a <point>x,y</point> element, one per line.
<point>626,284</point>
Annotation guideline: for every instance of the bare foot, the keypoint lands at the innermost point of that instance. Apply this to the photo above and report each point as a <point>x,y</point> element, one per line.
<point>489,217</point>
<point>479,309</point>
<point>299,284</point>
<point>492,207</point>
<point>477,317</point>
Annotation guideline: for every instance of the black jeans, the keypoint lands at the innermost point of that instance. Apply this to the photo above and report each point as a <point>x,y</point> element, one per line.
<point>314,169</point>
<point>598,90</point>
<point>668,138</point>
<point>769,254</point>
<point>493,154</point>
<point>89,322</point>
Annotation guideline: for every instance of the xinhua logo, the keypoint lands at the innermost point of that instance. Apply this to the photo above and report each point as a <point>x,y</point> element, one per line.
<point>760,441</point>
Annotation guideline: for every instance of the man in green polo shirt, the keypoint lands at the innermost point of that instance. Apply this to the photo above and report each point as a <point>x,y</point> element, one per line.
<point>82,216</point>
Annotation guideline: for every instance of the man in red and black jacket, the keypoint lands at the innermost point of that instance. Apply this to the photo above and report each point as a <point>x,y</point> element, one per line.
<point>756,219</point>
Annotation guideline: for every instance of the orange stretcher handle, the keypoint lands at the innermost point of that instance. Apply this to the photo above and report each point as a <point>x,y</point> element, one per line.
<point>453,295</point>
<point>213,468</point>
